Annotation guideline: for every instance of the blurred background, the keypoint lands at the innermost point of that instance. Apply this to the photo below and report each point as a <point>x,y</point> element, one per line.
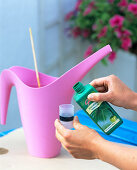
<point>56,52</point>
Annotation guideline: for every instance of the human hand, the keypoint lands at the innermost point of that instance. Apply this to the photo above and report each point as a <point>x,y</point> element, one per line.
<point>81,143</point>
<point>113,90</point>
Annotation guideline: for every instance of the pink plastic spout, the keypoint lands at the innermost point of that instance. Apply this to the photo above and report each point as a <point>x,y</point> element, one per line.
<point>80,70</point>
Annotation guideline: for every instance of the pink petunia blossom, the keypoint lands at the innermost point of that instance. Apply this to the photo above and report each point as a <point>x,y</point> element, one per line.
<point>126,33</point>
<point>94,27</point>
<point>116,20</point>
<point>111,1</point>
<point>102,32</point>
<point>132,8</point>
<point>78,5</point>
<point>112,57</point>
<point>69,15</point>
<point>126,43</point>
<point>119,32</point>
<point>91,4</point>
<point>123,3</point>
<point>76,31</point>
<point>87,11</point>
<point>88,51</point>
<point>85,33</point>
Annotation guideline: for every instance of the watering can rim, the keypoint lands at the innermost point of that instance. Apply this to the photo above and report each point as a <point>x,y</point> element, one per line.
<point>56,78</point>
<point>10,70</point>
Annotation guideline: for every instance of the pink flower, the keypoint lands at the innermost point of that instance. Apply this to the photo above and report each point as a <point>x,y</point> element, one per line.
<point>111,1</point>
<point>123,3</point>
<point>116,20</point>
<point>69,15</point>
<point>126,43</point>
<point>112,57</point>
<point>78,4</point>
<point>119,32</point>
<point>88,51</point>
<point>76,31</point>
<point>132,8</point>
<point>85,33</point>
<point>94,27</point>
<point>126,33</point>
<point>102,32</point>
<point>87,11</point>
<point>92,4</point>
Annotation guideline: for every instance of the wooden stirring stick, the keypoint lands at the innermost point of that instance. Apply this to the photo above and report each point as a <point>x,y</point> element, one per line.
<point>34,57</point>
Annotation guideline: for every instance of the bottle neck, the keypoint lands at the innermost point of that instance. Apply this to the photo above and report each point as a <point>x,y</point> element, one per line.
<point>78,87</point>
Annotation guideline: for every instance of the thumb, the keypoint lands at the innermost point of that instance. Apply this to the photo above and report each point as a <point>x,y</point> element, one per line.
<point>99,97</point>
<point>76,123</point>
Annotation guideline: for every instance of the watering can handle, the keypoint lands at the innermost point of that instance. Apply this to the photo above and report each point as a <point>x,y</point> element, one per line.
<point>6,84</point>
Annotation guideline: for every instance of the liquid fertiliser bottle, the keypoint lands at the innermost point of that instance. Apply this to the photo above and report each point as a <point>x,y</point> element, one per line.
<point>100,112</point>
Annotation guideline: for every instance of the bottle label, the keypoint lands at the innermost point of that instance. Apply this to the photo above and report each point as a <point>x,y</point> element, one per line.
<point>113,124</point>
<point>93,106</point>
<point>100,113</point>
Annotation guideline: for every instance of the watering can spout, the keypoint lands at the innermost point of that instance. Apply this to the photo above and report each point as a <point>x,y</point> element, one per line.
<point>80,70</point>
<point>86,65</point>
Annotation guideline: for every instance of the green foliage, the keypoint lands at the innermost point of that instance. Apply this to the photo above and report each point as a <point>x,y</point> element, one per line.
<point>102,11</point>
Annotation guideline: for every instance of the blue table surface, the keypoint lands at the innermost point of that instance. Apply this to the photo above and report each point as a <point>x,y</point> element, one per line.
<point>126,133</point>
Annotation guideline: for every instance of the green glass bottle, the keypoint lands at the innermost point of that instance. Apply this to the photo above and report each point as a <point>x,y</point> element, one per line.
<point>100,112</point>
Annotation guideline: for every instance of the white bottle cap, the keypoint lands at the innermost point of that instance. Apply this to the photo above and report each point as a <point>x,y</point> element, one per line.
<point>66,110</point>
<point>66,113</point>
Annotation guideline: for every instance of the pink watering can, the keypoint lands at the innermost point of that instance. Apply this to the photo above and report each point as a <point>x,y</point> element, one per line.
<point>39,107</point>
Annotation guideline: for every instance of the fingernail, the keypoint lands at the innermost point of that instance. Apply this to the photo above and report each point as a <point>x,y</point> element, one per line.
<point>90,96</point>
<point>56,121</point>
<point>76,118</point>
